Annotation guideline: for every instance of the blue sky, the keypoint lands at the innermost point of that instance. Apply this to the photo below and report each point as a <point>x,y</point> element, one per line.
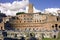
<point>40,4</point>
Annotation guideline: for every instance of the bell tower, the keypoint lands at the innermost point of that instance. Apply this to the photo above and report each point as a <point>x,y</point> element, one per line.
<point>30,8</point>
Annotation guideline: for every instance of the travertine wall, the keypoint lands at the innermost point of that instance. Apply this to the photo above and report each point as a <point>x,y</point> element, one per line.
<point>2,26</point>
<point>35,21</point>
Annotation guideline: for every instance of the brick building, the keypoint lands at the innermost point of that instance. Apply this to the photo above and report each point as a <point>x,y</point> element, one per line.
<point>36,22</point>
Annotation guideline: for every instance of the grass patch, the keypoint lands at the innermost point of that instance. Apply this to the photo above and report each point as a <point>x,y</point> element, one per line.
<point>49,39</point>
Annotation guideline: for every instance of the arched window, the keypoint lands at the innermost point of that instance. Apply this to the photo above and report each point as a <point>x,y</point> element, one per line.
<point>59,26</point>
<point>56,25</point>
<point>54,36</point>
<point>20,21</point>
<point>40,20</point>
<point>1,28</point>
<point>52,26</point>
<point>29,29</point>
<point>15,35</point>
<point>37,20</point>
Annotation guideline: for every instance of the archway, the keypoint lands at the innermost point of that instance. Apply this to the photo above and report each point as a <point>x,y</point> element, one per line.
<point>54,36</point>
<point>32,35</point>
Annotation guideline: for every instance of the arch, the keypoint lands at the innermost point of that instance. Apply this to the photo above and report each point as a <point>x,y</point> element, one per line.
<point>57,19</point>
<point>15,35</point>
<point>54,36</point>
<point>56,25</point>
<point>52,26</point>
<point>32,34</point>
<point>59,26</point>
<point>1,28</point>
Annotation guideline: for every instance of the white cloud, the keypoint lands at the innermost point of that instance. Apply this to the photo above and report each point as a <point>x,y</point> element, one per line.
<point>52,11</point>
<point>36,10</point>
<point>12,8</point>
<point>15,5</point>
<point>18,6</point>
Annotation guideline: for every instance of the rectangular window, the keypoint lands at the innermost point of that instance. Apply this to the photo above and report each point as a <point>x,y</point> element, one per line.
<point>29,21</point>
<point>24,18</point>
<point>27,18</point>
<point>20,21</point>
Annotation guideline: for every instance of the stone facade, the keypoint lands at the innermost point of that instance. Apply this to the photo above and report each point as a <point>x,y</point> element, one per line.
<point>38,23</point>
<point>1,26</point>
<point>35,21</point>
<point>41,25</point>
<point>3,21</point>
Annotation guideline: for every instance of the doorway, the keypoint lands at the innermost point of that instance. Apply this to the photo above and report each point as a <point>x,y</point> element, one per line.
<point>54,36</point>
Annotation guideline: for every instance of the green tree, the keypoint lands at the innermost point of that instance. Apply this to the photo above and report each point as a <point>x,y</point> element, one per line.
<point>20,13</point>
